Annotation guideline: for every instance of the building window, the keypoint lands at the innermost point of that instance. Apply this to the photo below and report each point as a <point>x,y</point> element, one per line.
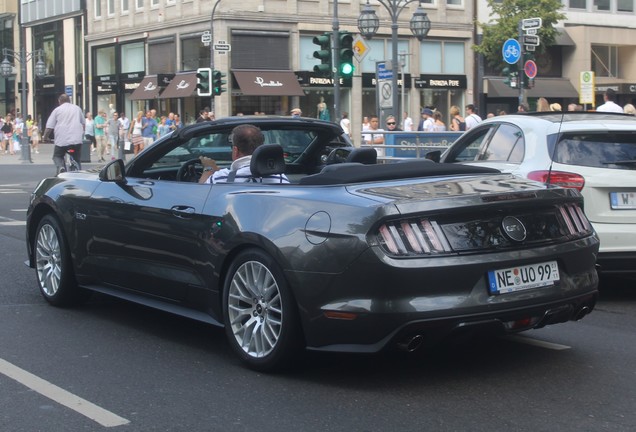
<point>625,5</point>
<point>161,55</point>
<point>139,4</point>
<point>194,54</point>
<point>454,2</point>
<point>248,46</point>
<point>442,57</point>
<point>98,8</point>
<point>154,3</point>
<point>124,6</point>
<point>133,57</point>
<point>602,5</point>
<point>578,4</point>
<point>105,61</point>
<point>605,61</point>
<point>110,4</point>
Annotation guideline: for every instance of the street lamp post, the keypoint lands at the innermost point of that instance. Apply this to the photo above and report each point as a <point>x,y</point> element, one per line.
<point>368,24</point>
<point>216,3</point>
<point>6,69</point>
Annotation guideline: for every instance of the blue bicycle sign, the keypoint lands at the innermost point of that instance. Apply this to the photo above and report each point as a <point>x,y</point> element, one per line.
<point>511,51</point>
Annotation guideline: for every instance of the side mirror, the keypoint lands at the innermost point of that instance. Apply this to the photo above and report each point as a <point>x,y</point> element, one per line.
<point>434,155</point>
<point>113,172</point>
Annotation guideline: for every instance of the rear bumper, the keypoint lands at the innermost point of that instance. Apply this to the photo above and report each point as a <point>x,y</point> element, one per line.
<point>618,263</point>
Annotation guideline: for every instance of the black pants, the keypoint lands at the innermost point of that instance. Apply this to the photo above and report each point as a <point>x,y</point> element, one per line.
<point>59,156</point>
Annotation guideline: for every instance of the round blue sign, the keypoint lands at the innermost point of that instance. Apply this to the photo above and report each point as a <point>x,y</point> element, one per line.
<point>511,51</point>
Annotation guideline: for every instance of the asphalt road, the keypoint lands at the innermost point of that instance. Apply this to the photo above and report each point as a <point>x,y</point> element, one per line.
<point>115,366</point>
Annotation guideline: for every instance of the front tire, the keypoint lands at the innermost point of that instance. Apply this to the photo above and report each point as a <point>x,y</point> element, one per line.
<point>53,266</point>
<point>261,318</point>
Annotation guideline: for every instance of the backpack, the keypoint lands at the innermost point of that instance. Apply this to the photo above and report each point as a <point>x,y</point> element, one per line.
<point>460,125</point>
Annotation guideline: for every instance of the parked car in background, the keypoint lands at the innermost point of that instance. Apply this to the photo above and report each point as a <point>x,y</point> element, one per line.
<point>348,257</point>
<point>594,153</point>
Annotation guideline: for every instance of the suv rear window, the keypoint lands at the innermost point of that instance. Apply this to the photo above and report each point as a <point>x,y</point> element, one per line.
<point>601,150</point>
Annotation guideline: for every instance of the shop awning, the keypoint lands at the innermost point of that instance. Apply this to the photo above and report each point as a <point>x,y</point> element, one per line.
<point>543,87</point>
<point>268,83</point>
<point>182,85</point>
<point>148,89</point>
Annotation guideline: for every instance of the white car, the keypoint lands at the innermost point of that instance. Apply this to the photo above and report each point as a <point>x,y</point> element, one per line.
<point>589,151</point>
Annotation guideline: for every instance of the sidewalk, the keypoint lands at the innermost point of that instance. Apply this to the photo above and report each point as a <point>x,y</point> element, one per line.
<point>43,158</point>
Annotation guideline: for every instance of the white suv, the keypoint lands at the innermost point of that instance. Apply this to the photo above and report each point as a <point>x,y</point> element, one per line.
<point>592,152</point>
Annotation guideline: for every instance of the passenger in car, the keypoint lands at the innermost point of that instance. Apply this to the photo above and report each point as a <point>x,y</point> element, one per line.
<point>245,139</point>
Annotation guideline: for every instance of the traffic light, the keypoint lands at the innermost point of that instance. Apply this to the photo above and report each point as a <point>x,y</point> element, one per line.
<point>346,54</point>
<point>511,76</point>
<point>218,83</point>
<point>204,82</point>
<point>323,54</point>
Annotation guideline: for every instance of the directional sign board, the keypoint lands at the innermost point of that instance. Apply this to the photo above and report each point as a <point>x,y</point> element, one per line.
<point>531,23</point>
<point>531,40</point>
<point>511,51</point>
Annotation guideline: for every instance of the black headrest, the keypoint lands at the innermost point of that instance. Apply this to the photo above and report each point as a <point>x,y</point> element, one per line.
<point>364,155</point>
<point>266,160</point>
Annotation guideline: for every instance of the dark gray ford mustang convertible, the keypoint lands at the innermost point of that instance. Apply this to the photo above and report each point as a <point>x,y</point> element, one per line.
<point>350,256</point>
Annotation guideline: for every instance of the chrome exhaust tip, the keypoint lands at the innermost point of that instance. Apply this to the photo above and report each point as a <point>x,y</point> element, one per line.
<point>411,343</point>
<point>581,313</point>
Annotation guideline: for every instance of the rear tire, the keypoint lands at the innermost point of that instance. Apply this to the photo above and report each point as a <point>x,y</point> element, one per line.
<point>53,266</point>
<point>260,314</point>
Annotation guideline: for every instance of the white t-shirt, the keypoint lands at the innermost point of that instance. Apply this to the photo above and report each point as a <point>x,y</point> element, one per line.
<point>345,124</point>
<point>408,124</point>
<point>243,173</point>
<point>369,137</point>
<point>610,106</point>
<point>472,121</point>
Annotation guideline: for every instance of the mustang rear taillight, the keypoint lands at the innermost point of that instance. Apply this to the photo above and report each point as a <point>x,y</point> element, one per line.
<point>575,219</point>
<point>413,236</point>
<point>558,178</point>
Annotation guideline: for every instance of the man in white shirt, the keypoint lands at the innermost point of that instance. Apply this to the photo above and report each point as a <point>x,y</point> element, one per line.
<point>245,139</point>
<point>471,119</point>
<point>345,124</point>
<point>610,105</point>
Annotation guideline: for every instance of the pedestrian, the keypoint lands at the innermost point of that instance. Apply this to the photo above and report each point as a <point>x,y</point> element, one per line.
<point>345,124</point>
<point>134,133</point>
<point>543,105</point>
<point>148,129</point>
<point>67,124</point>
<point>296,112</point>
<point>472,118</point>
<point>89,131</point>
<point>391,124</point>
<point>113,133</point>
<point>374,139</point>
<point>457,123</point>
<point>438,123</point>
<point>609,106</point>
<point>426,122</point>
<point>35,138</point>
<point>100,134</point>
<point>555,107</point>
<point>629,109</point>
<point>407,122</point>
<point>7,134</point>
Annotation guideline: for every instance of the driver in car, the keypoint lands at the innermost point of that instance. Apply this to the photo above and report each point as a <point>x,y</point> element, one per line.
<point>245,139</point>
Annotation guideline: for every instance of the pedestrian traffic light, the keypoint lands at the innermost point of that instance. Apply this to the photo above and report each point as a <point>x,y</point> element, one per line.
<point>204,82</point>
<point>345,40</point>
<point>218,82</point>
<point>511,76</point>
<point>323,54</point>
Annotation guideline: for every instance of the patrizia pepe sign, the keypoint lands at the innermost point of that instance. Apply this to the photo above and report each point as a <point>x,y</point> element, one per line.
<point>271,83</point>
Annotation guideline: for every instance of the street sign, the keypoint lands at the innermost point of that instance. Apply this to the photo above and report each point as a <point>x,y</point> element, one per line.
<point>222,46</point>
<point>586,88</point>
<point>530,68</point>
<point>531,23</point>
<point>532,40</point>
<point>360,48</point>
<point>511,51</point>
<point>206,38</point>
<point>532,31</point>
<point>530,48</point>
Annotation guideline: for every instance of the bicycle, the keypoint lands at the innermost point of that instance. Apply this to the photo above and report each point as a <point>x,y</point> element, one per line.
<point>73,164</point>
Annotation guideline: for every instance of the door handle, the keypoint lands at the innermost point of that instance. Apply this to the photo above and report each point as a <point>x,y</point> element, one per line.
<point>182,211</point>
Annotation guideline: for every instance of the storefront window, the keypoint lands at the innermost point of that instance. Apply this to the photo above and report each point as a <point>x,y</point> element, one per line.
<point>194,54</point>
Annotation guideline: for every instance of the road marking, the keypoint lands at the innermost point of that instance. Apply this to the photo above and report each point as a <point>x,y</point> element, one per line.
<point>11,191</point>
<point>4,221</point>
<point>61,396</point>
<point>536,342</point>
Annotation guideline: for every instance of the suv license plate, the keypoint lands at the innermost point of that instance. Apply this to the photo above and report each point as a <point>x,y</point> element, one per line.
<point>623,200</point>
<point>523,277</point>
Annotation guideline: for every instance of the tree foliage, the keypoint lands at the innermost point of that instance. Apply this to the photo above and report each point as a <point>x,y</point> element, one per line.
<point>505,18</point>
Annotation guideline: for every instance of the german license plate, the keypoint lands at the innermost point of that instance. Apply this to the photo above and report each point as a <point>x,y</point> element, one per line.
<point>623,200</point>
<point>523,277</point>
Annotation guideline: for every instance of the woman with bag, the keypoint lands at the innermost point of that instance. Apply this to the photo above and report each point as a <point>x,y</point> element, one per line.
<point>135,133</point>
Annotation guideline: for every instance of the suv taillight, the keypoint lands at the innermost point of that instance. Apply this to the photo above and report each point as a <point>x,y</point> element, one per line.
<point>559,178</point>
